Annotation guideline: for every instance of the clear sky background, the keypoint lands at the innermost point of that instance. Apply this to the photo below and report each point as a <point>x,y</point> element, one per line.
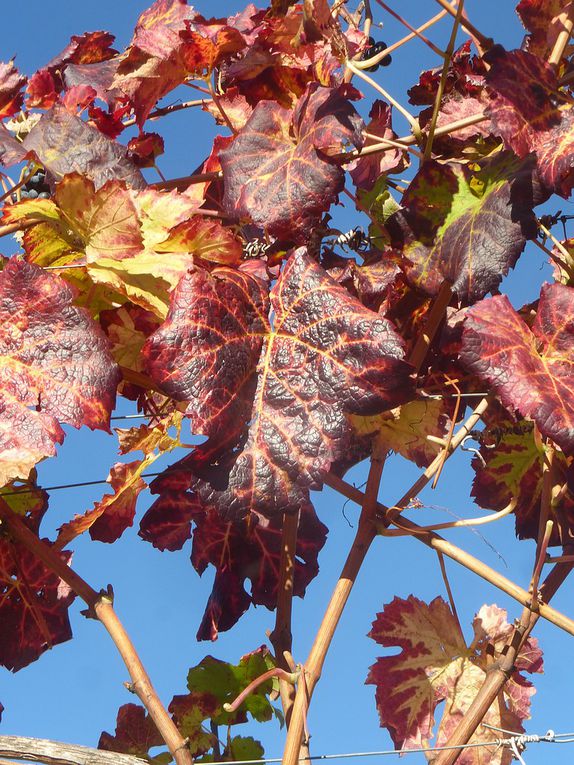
<point>73,692</point>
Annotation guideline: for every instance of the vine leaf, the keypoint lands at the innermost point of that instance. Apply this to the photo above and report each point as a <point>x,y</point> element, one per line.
<point>139,243</point>
<point>531,370</point>
<point>11,84</point>
<point>368,169</point>
<point>247,550</point>
<point>325,356</point>
<point>466,224</point>
<point>541,19</point>
<point>114,513</point>
<point>127,328</point>
<point>56,367</point>
<point>65,144</point>
<point>226,681</point>
<point>279,172</point>
<point>528,110</point>
<point>512,470</point>
<point>152,64</point>
<point>91,49</point>
<point>167,523</point>
<point>33,606</point>
<point>135,734</point>
<point>171,42</point>
<point>435,665</point>
<point>405,429</point>
<point>189,712</point>
<point>208,349</point>
<point>250,549</point>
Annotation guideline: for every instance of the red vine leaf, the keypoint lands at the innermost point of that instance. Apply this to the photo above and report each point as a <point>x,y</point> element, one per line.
<point>326,356</point>
<point>208,349</point>
<point>206,238</point>
<point>171,42</point>
<point>65,144</point>
<point>11,84</point>
<point>542,20</point>
<point>11,150</point>
<point>189,713</point>
<point>528,110</point>
<point>250,549</point>
<point>56,367</point>
<point>135,733</point>
<point>368,169</point>
<point>531,370</point>
<point>278,170</point>
<point>167,523</point>
<point>240,551</point>
<point>512,471</point>
<point>466,224</point>
<point>34,606</point>
<point>114,513</point>
<point>435,665</point>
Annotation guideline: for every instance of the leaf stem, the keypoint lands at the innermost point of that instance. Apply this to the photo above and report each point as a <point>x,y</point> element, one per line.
<point>314,664</point>
<point>187,180</point>
<point>436,542</point>
<point>555,259</point>
<point>482,520</point>
<point>387,52</point>
<point>442,81</point>
<point>406,114</point>
<point>286,677</point>
<point>566,18</point>
<point>433,321</point>
<point>392,512</point>
<point>482,42</point>
<point>408,140</point>
<point>415,31</point>
<point>100,606</point>
<point>281,637</point>
<point>163,110</point>
<point>220,109</point>
<point>396,144</point>
<point>11,228</point>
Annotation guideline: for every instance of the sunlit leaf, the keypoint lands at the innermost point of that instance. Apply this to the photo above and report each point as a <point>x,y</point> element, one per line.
<point>34,606</point>
<point>531,370</point>
<point>466,225</point>
<point>55,367</point>
<point>65,144</point>
<point>326,356</point>
<point>531,114</point>
<point>278,170</point>
<point>135,733</point>
<point>434,665</point>
<point>511,471</point>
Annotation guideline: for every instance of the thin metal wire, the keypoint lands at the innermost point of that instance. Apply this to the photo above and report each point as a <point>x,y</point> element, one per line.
<point>130,416</point>
<point>74,485</point>
<point>515,742</point>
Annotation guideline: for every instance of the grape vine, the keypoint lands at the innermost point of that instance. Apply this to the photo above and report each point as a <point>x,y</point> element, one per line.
<point>228,304</point>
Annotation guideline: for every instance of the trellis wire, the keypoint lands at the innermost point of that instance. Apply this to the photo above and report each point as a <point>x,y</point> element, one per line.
<point>516,742</point>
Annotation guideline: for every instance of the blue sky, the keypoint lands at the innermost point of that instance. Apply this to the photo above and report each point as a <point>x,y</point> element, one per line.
<point>73,692</point>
